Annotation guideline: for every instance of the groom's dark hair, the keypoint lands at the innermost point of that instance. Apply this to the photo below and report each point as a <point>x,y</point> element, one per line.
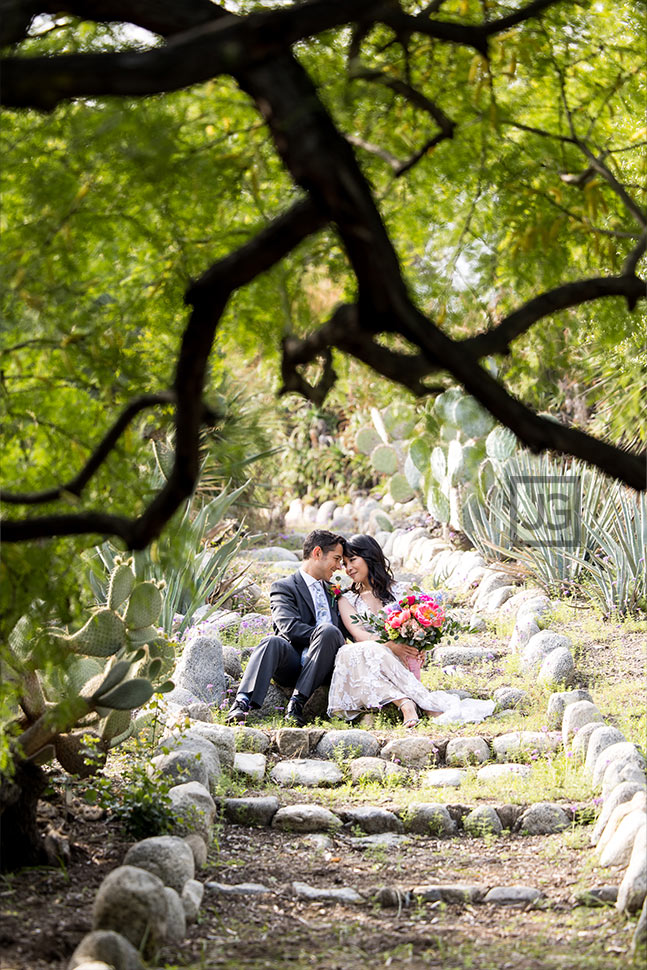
<point>320,537</point>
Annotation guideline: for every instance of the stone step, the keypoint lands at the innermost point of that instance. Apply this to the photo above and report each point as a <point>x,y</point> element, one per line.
<point>392,896</point>
<point>418,750</point>
<point>422,818</point>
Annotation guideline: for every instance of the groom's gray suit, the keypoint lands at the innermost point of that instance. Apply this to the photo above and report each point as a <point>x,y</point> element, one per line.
<point>295,632</point>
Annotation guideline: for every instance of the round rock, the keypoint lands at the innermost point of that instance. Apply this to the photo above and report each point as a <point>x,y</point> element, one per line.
<point>415,752</point>
<point>576,716</point>
<point>603,737</point>
<point>372,819</point>
<point>540,646</point>
<point>512,895</point>
<point>131,901</point>
<point>557,668</point>
<point>306,818</point>
<point>193,807</point>
<point>165,856</point>
<point>618,850</point>
<point>175,918</point>
<point>222,738</point>
<point>511,698</point>
<point>250,739</point>
<point>429,818</point>
<point>618,772</point>
<point>375,769</point>
<point>620,795</point>
<point>467,751</point>
<point>108,947</point>
<point>580,742</point>
<point>251,811</point>
<point>559,701</point>
<point>192,893</point>
<point>633,888</point>
<point>543,818</point>
<point>309,774</point>
<point>353,743</point>
<point>251,765</point>
<point>623,752</point>
<point>483,821</point>
<point>443,778</point>
<point>501,771</point>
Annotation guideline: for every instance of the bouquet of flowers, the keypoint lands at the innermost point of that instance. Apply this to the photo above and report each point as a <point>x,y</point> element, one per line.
<point>418,619</point>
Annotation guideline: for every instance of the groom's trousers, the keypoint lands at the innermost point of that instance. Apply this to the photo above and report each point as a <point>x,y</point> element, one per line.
<point>275,658</point>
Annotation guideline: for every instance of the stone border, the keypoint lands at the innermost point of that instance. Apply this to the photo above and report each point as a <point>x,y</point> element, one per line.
<point>618,770</point>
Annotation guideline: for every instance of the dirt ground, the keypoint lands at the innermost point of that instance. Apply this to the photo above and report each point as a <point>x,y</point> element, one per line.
<point>45,912</point>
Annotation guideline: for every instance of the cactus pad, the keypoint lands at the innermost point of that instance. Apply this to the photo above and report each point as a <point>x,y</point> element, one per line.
<point>444,407</point>
<point>385,459</point>
<point>420,453</point>
<point>400,489</point>
<point>81,671</point>
<point>366,440</point>
<point>455,462</point>
<point>501,444</point>
<point>74,753</point>
<point>438,464</point>
<point>412,474</point>
<point>473,420</point>
<point>399,420</point>
<point>137,638</point>
<point>115,724</point>
<point>144,606</point>
<point>122,580</point>
<point>437,503</point>
<point>130,694</point>
<point>102,635</point>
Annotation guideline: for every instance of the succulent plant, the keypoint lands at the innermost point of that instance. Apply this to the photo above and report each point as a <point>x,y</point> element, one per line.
<point>443,453</point>
<point>113,661</point>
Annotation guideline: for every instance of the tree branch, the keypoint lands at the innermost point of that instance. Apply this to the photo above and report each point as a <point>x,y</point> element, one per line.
<point>346,332</point>
<point>227,46</point>
<point>76,485</point>
<point>498,340</point>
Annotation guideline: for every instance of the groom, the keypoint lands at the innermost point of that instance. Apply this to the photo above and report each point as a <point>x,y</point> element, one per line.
<point>308,633</point>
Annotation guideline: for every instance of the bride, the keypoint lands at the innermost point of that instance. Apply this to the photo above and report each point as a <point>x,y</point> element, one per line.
<point>367,674</point>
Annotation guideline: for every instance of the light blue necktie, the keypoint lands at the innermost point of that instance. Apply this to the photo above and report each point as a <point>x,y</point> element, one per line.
<point>322,610</point>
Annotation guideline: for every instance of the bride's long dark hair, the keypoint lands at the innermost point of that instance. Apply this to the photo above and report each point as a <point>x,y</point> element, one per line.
<point>380,577</point>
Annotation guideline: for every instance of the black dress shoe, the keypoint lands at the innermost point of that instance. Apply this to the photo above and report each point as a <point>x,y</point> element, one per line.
<point>294,713</point>
<point>238,711</point>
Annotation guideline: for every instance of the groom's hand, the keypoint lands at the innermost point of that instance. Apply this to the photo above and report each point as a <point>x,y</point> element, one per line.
<point>403,650</point>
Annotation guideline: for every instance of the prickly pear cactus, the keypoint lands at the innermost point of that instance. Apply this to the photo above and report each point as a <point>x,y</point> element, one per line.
<point>113,661</point>
<point>144,606</point>
<point>102,636</point>
<point>385,459</point>
<point>122,580</point>
<point>366,440</point>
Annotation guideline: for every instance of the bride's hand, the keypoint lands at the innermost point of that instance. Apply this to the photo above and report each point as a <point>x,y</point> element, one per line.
<point>402,650</point>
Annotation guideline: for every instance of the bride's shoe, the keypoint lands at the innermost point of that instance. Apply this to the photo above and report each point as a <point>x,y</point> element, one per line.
<point>409,713</point>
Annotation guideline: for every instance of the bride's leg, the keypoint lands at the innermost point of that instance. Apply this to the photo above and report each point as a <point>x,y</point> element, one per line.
<point>409,711</point>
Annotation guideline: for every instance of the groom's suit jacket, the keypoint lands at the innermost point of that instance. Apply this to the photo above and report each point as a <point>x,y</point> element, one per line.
<point>293,613</point>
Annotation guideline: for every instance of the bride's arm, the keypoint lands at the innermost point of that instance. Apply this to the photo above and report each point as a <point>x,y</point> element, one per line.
<point>355,629</point>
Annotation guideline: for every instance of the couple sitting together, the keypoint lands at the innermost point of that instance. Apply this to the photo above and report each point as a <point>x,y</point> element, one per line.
<point>312,625</point>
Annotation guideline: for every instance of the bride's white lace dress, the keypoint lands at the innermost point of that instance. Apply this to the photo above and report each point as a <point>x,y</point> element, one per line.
<point>368,675</point>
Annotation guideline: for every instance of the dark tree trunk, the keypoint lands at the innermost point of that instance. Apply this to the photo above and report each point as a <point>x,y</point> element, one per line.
<point>20,841</point>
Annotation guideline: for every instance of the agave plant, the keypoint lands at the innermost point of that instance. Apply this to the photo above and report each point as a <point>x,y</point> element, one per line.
<point>194,572</point>
<point>571,527</point>
<point>615,573</point>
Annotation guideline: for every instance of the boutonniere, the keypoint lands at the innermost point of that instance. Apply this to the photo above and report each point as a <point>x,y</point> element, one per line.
<point>334,591</point>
